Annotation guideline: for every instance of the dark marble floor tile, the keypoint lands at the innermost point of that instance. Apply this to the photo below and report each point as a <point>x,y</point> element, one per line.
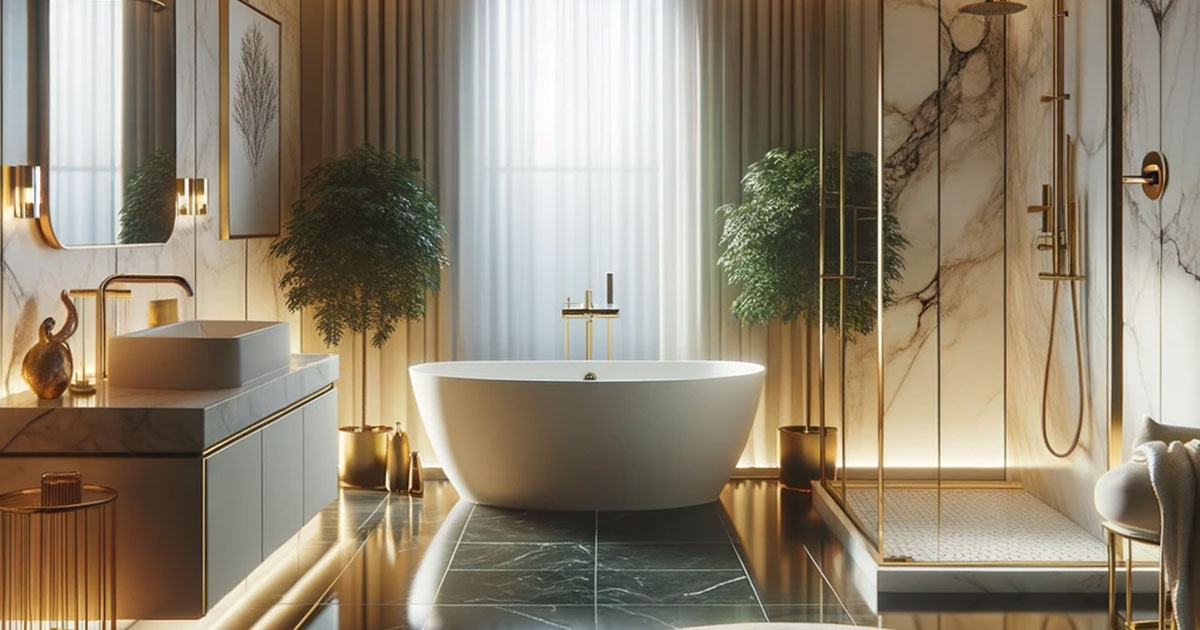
<point>490,524</point>
<point>512,618</point>
<point>614,556</point>
<point>556,588</point>
<point>674,587</point>
<point>701,523</point>
<point>525,556</point>
<point>659,617</point>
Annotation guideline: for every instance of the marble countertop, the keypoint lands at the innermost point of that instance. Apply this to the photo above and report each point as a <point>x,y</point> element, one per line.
<point>129,421</point>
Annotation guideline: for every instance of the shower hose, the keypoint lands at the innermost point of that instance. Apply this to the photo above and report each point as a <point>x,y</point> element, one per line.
<point>1078,371</point>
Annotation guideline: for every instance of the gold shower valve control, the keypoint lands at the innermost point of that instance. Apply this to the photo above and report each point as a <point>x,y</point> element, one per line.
<point>1153,178</point>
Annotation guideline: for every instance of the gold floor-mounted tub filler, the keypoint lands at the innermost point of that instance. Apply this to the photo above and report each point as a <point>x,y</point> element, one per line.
<point>589,312</point>
<point>58,545</point>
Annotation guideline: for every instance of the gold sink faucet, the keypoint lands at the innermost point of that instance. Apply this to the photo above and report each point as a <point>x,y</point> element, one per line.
<point>101,309</point>
<point>589,312</point>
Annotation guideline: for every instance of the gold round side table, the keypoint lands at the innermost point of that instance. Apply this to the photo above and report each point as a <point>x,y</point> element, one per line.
<point>58,556</point>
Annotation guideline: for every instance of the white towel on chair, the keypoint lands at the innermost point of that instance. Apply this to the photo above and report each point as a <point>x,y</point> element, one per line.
<point>1175,475</point>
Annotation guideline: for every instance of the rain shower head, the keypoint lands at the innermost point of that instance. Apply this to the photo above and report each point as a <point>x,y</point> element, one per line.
<point>992,7</point>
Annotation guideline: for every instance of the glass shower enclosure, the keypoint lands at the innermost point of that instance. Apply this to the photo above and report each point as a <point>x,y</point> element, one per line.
<point>933,338</point>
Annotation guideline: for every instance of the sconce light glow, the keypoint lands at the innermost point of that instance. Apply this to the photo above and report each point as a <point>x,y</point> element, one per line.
<point>23,190</point>
<point>191,196</point>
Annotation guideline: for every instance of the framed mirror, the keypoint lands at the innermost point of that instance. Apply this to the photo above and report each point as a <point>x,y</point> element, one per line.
<point>105,77</point>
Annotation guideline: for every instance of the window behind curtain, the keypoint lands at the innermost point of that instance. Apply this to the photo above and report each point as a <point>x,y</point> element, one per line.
<point>561,176</point>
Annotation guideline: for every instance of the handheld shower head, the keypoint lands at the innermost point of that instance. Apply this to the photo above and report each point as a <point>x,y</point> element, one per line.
<point>992,7</point>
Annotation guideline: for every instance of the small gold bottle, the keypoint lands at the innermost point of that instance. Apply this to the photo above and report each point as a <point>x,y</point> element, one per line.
<point>416,478</point>
<point>398,462</point>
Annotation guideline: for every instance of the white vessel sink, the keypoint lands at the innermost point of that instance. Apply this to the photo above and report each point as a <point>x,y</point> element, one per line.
<point>198,355</point>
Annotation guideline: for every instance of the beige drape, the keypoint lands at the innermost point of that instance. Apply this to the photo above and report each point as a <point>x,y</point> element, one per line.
<point>371,73</point>
<point>758,91</point>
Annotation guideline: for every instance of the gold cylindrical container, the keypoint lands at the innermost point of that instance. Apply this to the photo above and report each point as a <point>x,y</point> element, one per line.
<point>800,455</point>
<point>363,454</point>
<point>58,556</point>
<point>397,461</point>
<point>163,312</point>
<point>416,476</point>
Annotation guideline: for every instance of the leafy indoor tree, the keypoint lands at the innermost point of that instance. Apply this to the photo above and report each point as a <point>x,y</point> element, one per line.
<point>364,245</point>
<point>770,240</point>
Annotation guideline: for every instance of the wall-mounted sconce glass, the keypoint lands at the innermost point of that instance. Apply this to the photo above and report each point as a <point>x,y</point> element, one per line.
<point>23,190</point>
<point>192,196</point>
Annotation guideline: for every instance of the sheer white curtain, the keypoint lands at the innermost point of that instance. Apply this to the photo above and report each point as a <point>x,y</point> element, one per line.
<point>569,148</point>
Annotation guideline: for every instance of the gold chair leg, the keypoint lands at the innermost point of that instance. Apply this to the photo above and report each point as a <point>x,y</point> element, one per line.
<point>1163,594</point>
<point>1112,580</point>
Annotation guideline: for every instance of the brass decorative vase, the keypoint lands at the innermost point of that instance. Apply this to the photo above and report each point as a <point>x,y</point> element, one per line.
<point>48,366</point>
<point>800,455</point>
<point>397,462</point>
<point>416,476</point>
<point>363,456</point>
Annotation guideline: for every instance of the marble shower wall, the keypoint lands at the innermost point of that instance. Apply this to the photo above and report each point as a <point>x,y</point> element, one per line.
<point>1162,238</point>
<point>943,340</point>
<point>1065,484</point>
<point>232,279</point>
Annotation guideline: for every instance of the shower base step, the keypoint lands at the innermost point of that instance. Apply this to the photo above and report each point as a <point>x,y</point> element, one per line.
<point>991,540</point>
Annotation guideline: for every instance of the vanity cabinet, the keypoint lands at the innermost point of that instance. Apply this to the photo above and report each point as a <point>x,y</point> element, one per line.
<point>210,482</point>
<point>233,515</point>
<point>261,488</point>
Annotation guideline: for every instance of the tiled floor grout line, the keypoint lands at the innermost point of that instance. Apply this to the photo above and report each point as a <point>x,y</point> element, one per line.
<point>738,552</point>
<point>450,562</point>
<point>825,579</point>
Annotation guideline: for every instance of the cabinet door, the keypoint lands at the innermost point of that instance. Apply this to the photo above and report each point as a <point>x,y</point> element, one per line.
<point>283,480</point>
<point>233,491</point>
<point>320,454</point>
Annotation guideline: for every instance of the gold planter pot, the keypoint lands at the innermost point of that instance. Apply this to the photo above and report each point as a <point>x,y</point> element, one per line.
<point>800,455</point>
<point>362,456</point>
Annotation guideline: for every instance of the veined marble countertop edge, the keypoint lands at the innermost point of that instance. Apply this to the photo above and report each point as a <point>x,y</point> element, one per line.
<point>126,421</point>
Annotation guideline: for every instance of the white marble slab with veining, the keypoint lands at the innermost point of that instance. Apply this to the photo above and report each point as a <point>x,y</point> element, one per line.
<point>131,421</point>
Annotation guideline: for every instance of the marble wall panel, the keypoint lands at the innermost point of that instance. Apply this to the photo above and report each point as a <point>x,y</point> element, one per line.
<point>1142,247</point>
<point>1180,211</point>
<point>1064,484</point>
<point>910,145</point>
<point>971,237</point>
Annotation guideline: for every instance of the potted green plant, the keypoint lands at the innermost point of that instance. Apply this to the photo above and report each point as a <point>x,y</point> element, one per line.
<point>770,250</point>
<point>364,247</point>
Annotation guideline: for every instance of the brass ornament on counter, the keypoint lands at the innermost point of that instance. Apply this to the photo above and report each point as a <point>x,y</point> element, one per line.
<point>48,366</point>
<point>398,463</point>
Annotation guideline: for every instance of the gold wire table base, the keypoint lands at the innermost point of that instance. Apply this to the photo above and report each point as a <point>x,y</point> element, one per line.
<point>58,559</point>
<point>1125,621</point>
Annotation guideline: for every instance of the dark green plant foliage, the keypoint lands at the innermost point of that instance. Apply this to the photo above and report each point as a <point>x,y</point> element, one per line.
<point>364,244</point>
<point>770,241</point>
<point>148,212</point>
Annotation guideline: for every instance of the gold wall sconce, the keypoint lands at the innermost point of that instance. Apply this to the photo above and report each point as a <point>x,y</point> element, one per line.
<point>23,190</point>
<point>191,196</point>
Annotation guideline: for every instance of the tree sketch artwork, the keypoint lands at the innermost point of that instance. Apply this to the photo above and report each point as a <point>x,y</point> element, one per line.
<point>256,97</point>
<point>253,119</point>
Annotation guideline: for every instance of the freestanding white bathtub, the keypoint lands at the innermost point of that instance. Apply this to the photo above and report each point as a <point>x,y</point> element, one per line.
<point>535,434</point>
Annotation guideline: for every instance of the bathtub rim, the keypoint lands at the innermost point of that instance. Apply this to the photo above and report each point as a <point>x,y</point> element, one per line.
<point>745,369</point>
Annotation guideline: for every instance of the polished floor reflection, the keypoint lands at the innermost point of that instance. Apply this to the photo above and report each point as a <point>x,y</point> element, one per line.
<point>374,561</point>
